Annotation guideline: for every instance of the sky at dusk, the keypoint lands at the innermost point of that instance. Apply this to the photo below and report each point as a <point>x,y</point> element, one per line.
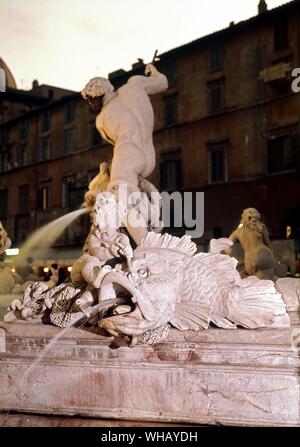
<point>66,42</point>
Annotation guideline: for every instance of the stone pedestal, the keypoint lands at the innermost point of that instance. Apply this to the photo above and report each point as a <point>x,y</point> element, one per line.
<point>230,377</point>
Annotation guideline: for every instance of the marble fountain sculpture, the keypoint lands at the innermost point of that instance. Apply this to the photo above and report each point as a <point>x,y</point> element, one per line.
<point>9,280</point>
<point>5,241</point>
<point>254,238</point>
<point>11,283</point>
<point>153,330</point>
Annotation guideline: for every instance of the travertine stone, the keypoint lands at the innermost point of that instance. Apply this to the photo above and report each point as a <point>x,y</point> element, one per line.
<point>233,377</point>
<point>30,420</point>
<point>290,290</point>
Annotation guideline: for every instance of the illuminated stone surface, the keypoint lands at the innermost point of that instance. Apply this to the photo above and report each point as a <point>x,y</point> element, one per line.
<point>233,377</point>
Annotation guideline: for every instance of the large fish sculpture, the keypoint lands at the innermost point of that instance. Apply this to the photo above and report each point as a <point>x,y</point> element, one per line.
<point>164,285</point>
<point>171,285</point>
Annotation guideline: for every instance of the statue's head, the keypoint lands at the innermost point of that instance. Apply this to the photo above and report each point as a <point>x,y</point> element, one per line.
<point>250,217</point>
<point>96,91</point>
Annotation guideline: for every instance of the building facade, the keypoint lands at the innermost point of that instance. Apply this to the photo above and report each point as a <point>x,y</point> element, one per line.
<point>228,126</point>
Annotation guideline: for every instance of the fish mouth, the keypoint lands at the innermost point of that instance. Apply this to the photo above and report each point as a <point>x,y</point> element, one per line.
<point>128,318</point>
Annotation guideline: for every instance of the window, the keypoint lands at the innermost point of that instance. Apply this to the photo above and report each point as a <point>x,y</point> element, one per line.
<point>43,196</point>
<point>3,203</point>
<point>170,171</point>
<point>170,110</point>
<point>95,136</point>
<point>22,155</point>
<point>23,199</point>
<point>23,128</point>
<point>68,142</point>
<point>73,195</point>
<point>76,195</point>
<point>5,161</point>
<point>46,120</point>
<point>216,97</point>
<point>169,69</point>
<point>45,149</point>
<point>217,163</point>
<point>67,186</point>
<point>281,38</point>
<point>216,55</point>
<point>69,111</point>
<point>282,154</point>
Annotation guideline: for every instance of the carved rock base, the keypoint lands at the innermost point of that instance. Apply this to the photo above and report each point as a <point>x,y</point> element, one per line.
<point>229,377</point>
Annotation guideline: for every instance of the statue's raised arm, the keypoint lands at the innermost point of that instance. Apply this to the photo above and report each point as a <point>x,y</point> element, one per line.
<point>154,82</point>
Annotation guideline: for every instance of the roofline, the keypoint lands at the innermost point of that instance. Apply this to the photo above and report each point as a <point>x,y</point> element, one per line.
<point>37,110</point>
<point>231,29</point>
<point>23,94</point>
<point>54,86</point>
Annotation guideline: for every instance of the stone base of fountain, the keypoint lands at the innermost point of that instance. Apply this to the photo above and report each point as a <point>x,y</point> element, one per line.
<point>229,377</point>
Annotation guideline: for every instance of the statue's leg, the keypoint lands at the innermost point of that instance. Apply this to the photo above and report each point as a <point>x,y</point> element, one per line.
<point>250,264</point>
<point>91,271</point>
<point>265,264</point>
<point>128,163</point>
<point>76,273</point>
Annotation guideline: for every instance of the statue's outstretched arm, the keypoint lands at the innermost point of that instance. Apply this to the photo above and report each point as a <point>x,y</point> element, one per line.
<point>154,81</point>
<point>234,238</point>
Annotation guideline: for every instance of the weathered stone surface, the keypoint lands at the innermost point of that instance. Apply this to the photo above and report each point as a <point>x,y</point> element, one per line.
<point>2,340</point>
<point>29,420</point>
<point>233,377</point>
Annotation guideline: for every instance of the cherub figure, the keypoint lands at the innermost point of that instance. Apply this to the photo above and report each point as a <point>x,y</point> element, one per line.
<point>104,243</point>
<point>254,239</point>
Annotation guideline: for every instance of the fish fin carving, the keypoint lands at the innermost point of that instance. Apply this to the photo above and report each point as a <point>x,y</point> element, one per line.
<point>192,316</point>
<point>183,244</point>
<point>222,322</point>
<point>255,304</point>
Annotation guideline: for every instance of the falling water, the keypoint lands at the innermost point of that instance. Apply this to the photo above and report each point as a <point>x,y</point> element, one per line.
<point>81,320</point>
<point>44,237</point>
<point>39,358</point>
